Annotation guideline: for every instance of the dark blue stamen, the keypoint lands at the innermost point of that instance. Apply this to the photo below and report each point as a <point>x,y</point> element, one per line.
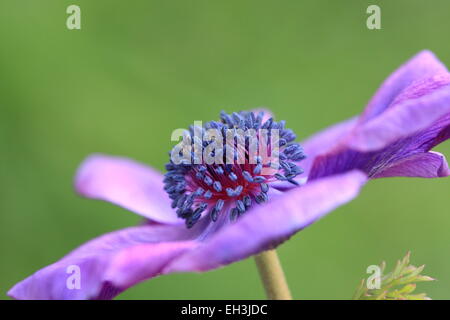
<point>199,175</point>
<point>233,214</point>
<point>240,206</point>
<point>207,195</point>
<point>219,170</point>
<point>258,168</point>
<point>199,191</point>
<point>238,191</point>
<point>261,197</point>
<point>217,186</point>
<point>201,208</point>
<point>247,201</point>
<point>219,204</point>
<point>259,179</point>
<point>264,187</point>
<point>247,176</point>
<point>232,176</point>
<point>214,214</point>
<point>181,200</point>
<point>208,180</point>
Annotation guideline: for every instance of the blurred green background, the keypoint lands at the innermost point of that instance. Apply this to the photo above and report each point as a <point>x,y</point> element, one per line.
<point>138,69</point>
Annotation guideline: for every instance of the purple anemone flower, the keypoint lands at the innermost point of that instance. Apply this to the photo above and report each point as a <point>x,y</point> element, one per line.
<point>204,216</point>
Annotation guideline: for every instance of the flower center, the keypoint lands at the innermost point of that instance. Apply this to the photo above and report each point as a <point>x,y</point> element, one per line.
<point>226,166</point>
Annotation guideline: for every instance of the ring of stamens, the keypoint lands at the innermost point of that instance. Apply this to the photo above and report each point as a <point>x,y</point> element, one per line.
<point>197,188</point>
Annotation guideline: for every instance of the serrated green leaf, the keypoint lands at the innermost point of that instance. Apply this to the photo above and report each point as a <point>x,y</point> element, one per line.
<point>396,285</point>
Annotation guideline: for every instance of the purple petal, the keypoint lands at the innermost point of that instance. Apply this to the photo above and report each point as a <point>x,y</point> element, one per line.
<point>324,141</point>
<point>270,224</point>
<point>374,163</point>
<point>417,120</point>
<point>109,264</point>
<point>416,113</point>
<point>318,144</point>
<point>113,262</point>
<point>424,165</point>
<point>126,183</point>
<point>422,66</point>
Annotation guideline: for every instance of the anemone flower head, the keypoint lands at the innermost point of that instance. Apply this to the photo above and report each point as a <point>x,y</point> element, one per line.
<point>205,214</point>
<point>227,170</point>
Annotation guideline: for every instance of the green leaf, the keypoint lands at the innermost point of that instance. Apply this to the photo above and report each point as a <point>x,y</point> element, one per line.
<point>396,285</point>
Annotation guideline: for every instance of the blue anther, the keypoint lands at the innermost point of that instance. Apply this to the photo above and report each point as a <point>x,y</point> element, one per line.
<point>199,175</point>
<point>247,201</point>
<point>217,186</point>
<point>257,169</point>
<point>259,179</point>
<point>233,214</point>
<point>232,176</point>
<point>207,195</point>
<point>230,192</point>
<point>247,176</point>
<point>238,190</point>
<point>219,204</point>
<point>208,180</point>
<point>240,206</point>
<point>264,187</point>
<point>214,214</point>
<point>199,191</point>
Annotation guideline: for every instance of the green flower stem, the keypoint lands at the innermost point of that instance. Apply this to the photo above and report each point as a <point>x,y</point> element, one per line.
<point>272,276</point>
